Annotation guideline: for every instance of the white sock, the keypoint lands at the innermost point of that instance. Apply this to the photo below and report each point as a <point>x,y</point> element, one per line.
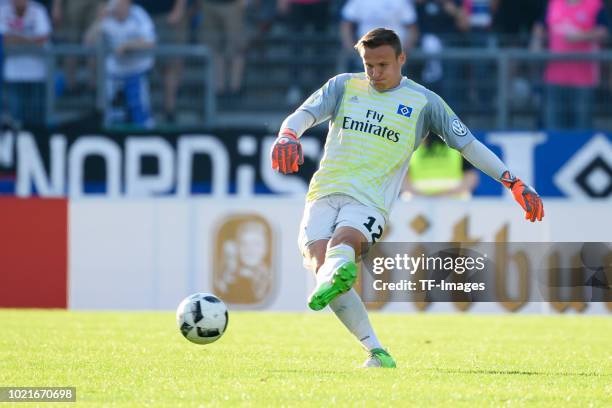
<point>334,257</point>
<point>352,313</point>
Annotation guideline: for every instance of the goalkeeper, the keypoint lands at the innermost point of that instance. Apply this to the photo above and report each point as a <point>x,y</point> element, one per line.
<point>377,119</point>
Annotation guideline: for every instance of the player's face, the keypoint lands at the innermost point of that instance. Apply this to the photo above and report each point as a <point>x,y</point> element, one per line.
<point>383,67</point>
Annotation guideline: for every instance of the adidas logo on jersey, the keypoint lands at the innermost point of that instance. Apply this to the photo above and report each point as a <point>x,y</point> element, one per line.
<point>354,99</point>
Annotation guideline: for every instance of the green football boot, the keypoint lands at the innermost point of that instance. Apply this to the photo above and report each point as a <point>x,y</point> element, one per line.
<point>342,281</point>
<point>379,358</point>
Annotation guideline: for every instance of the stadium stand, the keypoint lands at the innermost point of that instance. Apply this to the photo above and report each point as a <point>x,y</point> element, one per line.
<point>513,78</point>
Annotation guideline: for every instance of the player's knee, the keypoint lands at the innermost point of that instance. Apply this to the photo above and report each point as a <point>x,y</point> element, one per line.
<point>349,236</point>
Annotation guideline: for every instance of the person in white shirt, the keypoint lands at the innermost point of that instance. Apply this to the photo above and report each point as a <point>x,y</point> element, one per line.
<point>25,23</point>
<point>128,31</point>
<point>360,16</point>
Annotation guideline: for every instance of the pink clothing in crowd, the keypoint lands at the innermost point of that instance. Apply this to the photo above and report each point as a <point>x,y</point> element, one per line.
<point>563,17</point>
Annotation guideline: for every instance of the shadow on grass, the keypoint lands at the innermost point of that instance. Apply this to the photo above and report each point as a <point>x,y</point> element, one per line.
<point>307,371</point>
<point>521,372</point>
<point>350,370</point>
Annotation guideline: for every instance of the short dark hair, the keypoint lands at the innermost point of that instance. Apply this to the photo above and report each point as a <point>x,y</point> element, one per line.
<point>377,37</point>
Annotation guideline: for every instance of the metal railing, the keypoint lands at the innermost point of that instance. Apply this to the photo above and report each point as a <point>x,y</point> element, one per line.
<point>502,66</point>
<point>491,88</point>
<point>91,71</point>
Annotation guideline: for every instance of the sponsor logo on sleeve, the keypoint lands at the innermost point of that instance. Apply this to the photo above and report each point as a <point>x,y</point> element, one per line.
<point>459,128</point>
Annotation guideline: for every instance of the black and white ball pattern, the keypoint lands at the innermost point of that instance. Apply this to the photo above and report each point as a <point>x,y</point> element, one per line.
<point>202,318</point>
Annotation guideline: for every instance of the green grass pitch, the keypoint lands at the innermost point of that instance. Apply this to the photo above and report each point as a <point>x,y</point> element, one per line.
<point>288,359</point>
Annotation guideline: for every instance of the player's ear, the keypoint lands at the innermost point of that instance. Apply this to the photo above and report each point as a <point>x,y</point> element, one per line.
<point>402,58</point>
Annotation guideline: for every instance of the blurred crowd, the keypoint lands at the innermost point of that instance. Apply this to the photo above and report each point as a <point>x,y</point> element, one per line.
<point>235,28</point>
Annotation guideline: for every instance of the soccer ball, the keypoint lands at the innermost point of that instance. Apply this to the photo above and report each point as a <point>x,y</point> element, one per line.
<point>202,318</point>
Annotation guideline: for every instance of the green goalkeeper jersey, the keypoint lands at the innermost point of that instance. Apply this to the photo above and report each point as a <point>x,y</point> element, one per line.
<point>372,136</point>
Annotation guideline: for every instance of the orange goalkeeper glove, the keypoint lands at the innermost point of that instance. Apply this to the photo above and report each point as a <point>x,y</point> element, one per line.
<point>525,195</point>
<point>286,152</point>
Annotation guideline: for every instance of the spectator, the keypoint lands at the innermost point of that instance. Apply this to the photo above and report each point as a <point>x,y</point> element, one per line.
<point>440,24</point>
<point>360,16</point>
<point>45,3</point>
<point>514,19</point>
<point>302,15</point>
<point>223,29</point>
<point>437,170</point>
<point>71,19</point>
<point>572,26</point>
<point>265,14</point>
<point>512,24</point>
<point>169,17</point>
<point>480,35</point>
<point>128,30</point>
<point>25,23</point>
<point>480,18</point>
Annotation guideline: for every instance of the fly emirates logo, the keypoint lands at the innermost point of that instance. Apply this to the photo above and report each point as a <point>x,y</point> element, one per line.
<point>371,125</point>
